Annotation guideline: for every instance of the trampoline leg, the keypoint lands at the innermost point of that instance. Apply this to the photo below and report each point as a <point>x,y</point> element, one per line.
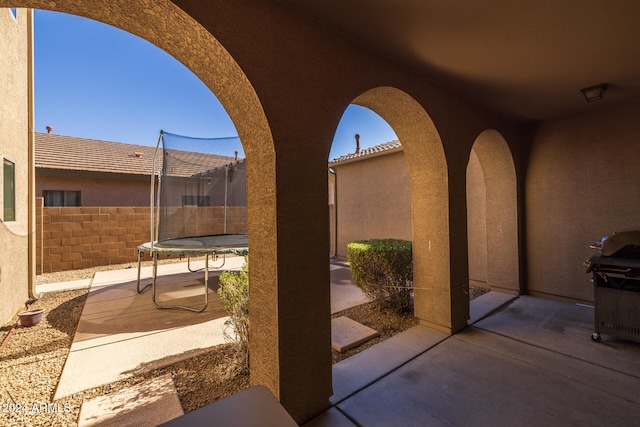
<point>139,266</point>
<point>206,282</point>
<point>181,307</point>
<point>153,278</point>
<point>189,265</point>
<point>224,260</point>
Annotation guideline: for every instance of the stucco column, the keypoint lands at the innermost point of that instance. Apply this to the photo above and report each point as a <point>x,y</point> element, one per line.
<point>438,210</point>
<point>459,247</point>
<point>290,335</point>
<point>441,288</point>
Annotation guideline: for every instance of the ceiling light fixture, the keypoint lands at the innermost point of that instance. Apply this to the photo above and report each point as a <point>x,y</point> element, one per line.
<point>594,93</point>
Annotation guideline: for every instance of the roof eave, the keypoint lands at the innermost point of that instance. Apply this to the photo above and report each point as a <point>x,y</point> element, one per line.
<point>364,157</point>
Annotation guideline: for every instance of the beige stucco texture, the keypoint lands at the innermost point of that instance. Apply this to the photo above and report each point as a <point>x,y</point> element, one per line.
<point>374,200</point>
<point>582,183</point>
<point>477,222</point>
<point>501,211</point>
<point>14,147</point>
<point>105,191</point>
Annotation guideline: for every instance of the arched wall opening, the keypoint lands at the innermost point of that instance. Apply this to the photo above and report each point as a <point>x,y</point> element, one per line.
<point>492,214</point>
<point>429,201</point>
<point>168,27</point>
<point>370,189</point>
<point>477,222</point>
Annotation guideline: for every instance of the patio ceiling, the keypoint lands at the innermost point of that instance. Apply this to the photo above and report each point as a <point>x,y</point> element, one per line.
<point>521,58</point>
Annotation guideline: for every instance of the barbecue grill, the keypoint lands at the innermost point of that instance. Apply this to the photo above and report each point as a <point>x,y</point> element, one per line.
<point>616,285</point>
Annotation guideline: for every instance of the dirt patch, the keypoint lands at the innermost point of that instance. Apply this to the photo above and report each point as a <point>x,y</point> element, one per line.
<point>386,322</point>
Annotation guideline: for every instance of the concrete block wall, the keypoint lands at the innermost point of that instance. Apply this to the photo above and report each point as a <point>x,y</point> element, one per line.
<point>70,238</point>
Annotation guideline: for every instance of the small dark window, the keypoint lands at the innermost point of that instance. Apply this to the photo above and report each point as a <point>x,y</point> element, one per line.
<point>191,200</point>
<point>14,12</point>
<point>9,190</point>
<point>61,198</point>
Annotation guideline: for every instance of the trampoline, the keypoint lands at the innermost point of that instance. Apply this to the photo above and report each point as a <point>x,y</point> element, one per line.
<point>198,205</point>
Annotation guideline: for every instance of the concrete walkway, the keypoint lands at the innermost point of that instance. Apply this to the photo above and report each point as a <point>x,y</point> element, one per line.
<point>121,334</point>
<point>123,327</point>
<point>149,403</point>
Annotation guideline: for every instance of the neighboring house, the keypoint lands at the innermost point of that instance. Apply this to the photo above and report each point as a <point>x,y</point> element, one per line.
<point>97,196</point>
<point>17,276</point>
<point>72,171</point>
<point>372,196</point>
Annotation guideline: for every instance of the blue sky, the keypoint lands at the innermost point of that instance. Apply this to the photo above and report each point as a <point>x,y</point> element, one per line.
<point>96,81</point>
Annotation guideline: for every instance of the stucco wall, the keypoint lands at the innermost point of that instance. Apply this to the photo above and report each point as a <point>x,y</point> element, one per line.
<point>102,191</point>
<point>111,189</point>
<point>373,200</point>
<point>14,127</point>
<point>476,222</point>
<point>583,182</point>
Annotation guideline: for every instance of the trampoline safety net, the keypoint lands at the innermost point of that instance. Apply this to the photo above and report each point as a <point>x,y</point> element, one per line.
<point>201,190</point>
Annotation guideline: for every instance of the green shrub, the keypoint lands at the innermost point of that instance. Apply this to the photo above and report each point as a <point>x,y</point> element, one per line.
<point>383,269</point>
<point>234,295</point>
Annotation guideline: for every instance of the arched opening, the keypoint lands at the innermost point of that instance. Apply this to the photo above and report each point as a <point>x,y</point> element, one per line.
<point>94,83</point>
<point>492,215</point>
<point>93,80</point>
<point>370,189</point>
<point>174,31</point>
<point>429,203</point>
<point>369,198</point>
<point>477,222</point>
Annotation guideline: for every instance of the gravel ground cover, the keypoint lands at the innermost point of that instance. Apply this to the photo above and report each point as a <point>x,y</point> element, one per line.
<point>31,359</point>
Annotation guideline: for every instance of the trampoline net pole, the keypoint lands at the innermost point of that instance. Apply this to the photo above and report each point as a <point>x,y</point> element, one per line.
<point>153,231</point>
<point>226,195</point>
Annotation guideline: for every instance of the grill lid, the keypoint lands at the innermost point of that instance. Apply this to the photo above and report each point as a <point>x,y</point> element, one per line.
<point>625,244</point>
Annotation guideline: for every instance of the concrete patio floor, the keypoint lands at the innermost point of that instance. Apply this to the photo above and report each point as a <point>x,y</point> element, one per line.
<point>530,363</point>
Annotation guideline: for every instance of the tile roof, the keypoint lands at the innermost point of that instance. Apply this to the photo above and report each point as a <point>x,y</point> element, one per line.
<point>376,150</point>
<point>60,152</point>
